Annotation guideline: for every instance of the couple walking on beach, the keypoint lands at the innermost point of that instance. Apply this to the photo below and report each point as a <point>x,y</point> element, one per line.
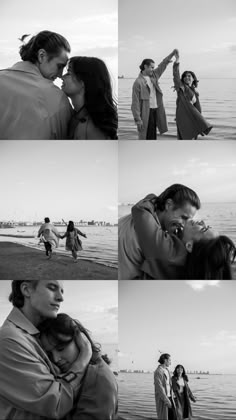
<point>33,108</point>
<point>50,368</point>
<point>147,102</point>
<point>172,394</point>
<point>160,240</point>
<point>50,236</point>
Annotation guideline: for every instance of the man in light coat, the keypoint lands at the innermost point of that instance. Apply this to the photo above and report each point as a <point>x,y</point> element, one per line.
<point>164,396</point>
<point>49,235</point>
<point>31,106</point>
<point>147,103</point>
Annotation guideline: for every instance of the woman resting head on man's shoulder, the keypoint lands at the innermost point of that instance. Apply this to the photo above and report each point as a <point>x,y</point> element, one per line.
<point>98,394</point>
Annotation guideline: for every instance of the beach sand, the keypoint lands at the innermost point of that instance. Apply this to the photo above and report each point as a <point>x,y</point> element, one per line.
<point>19,262</point>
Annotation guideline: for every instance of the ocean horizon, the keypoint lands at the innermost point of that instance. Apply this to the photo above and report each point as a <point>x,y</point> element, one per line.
<point>217,98</point>
<point>215,396</point>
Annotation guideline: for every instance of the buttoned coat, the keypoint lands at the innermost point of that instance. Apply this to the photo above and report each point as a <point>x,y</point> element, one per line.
<point>187,395</point>
<point>141,100</point>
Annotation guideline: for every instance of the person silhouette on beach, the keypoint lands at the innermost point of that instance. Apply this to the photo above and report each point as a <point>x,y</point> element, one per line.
<point>147,103</point>
<point>49,235</point>
<point>31,106</point>
<point>73,243</point>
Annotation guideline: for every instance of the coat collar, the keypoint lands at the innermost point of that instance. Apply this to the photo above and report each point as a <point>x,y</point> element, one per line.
<point>20,321</point>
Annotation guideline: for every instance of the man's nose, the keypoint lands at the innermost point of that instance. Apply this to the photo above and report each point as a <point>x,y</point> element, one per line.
<point>60,73</point>
<point>59,296</point>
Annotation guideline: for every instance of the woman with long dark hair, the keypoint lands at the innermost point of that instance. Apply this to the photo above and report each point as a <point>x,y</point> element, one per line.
<point>189,120</point>
<point>73,243</point>
<point>182,393</point>
<point>98,394</point>
<point>88,84</point>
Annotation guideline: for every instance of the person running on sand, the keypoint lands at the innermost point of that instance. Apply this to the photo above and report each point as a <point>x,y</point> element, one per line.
<point>49,235</point>
<point>189,120</point>
<point>73,243</point>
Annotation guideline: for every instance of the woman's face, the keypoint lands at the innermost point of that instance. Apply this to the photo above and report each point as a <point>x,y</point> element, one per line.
<point>71,86</point>
<point>196,230</point>
<point>188,79</point>
<point>64,353</point>
<point>179,370</point>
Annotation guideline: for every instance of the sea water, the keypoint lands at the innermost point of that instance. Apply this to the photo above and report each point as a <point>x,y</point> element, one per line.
<point>100,245</point>
<point>215,396</point>
<point>217,98</point>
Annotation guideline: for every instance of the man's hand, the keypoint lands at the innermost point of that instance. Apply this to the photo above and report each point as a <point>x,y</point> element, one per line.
<point>140,125</point>
<point>83,343</point>
<point>169,405</point>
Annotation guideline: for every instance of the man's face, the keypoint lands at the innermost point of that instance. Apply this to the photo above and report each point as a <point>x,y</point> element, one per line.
<point>195,231</point>
<point>45,299</point>
<point>167,362</point>
<point>52,68</point>
<point>71,85</point>
<point>176,217</point>
<point>149,69</point>
<point>63,352</point>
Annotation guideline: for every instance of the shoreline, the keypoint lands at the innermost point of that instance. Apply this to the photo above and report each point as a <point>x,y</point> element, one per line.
<point>19,262</point>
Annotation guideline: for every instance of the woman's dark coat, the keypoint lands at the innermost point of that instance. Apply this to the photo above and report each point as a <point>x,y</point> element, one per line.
<point>189,120</point>
<point>188,396</point>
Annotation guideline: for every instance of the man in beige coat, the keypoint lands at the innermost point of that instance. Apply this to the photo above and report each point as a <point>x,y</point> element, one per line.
<point>164,396</point>
<point>31,106</point>
<point>147,103</point>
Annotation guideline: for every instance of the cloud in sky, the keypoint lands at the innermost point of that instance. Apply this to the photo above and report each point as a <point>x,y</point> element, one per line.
<point>200,285</point>
<point>223,337</point>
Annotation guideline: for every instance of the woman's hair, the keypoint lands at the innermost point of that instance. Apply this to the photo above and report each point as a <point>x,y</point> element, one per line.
<point>211,259</point>
<point>195,80</point>
<point>47,220</point>
<point>183,375</point>
<point>16,296</point>
<point>70,226</point>
<point>64,324</point>
<point>147,62</point>
<point>180,194</point>
<point>51,42</point>
<point>163,357</point>
<point>99,102</point>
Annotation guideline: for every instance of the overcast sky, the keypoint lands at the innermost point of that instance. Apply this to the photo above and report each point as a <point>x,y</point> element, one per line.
<point>193,321</point>
<point>150,167</point>
<point>93,302</point>
<point>203,31</point>
<point>91,27</point>
<point>69,179</point>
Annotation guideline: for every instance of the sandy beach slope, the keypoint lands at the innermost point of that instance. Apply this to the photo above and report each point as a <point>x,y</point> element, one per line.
<point>18,262</point>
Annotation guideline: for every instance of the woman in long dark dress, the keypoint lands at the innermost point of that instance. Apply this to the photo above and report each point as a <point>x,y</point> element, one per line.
<point>182,393</point>
<point>189,120</point>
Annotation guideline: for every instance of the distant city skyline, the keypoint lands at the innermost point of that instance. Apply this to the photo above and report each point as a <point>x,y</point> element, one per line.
<point>193,321</point>
<point>70,180</point>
